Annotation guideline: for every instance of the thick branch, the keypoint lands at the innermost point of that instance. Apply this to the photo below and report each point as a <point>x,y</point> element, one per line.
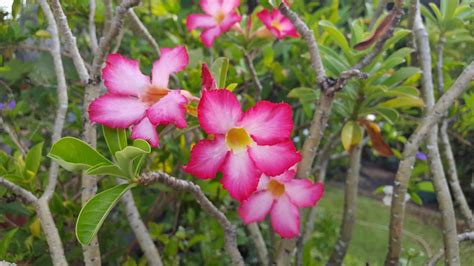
<point>259,243</point>
<point>207,206</point>
<point>139,229</point>
<point>467,236</point>
<point>348,217</point>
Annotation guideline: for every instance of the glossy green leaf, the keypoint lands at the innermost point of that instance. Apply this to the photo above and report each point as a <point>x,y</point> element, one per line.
<point>388,114</point>
<point>338,37</point>
<point>403,102</point>
<point>95,211</point>
<point>33,160</point>
<point>426,186</point>
<point>116,139</point>
<point>74,154</point>
<point>448,7</point>
<point>303,94</point>
<point>107,169</point>
<point>126,157</point>
<point>400,75</point>
<point>415,198</point>
<point>219,70</point>
<point>6,240</point>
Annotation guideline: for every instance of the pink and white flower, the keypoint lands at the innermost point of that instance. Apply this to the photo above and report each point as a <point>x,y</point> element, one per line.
<point>133,100</point>
<point>277,24</point>
<point>281,196</point>
<point>244,145</point>
<point>219,17</point>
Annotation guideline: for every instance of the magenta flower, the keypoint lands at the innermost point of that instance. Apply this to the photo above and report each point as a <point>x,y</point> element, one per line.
<point>220,17</point>
<point>281,196</point>
<point>278,24</point>
<point>244,144</point>
<point>132,100</point>
<point>207,80</point>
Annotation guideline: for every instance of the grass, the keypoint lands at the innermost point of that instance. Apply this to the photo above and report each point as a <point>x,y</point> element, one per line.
<point>370,235</point>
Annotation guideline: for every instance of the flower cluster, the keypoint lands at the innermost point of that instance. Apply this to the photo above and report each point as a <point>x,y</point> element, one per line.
<point>252,149</point>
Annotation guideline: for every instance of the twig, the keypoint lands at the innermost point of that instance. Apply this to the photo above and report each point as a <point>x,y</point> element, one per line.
<point>378,12</point>
<point>467,236</point>
<point>143,236</point>
<point>118,41</point>
<point>434,159</point>
<point>27,196</point>
<point>259,243</point>
<point>13,136</point>
<point>92,30</point>
<point>348,217</point>
<point>205,203</point>
<point>138,26</point>
<point>411,147</point>
<point>108,15</point>
<point>253,73</point>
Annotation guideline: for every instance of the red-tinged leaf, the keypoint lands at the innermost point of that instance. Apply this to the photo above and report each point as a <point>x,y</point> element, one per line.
<point>380,31</point>
<point>373,131</point>
<point>207,80</point>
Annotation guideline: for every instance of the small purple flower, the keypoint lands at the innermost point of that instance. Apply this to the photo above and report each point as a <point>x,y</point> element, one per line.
<point>421,156</point>
<point>11,104</point>
<point>2,106</point>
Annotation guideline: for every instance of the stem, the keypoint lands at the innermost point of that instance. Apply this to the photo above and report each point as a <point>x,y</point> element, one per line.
<point>259,243</point>
<point>92,30</point>
<point>13,136</point>
<point>138,26</point>
<point>467,236</point>
<point>348,217</point>
<point>230,241</point>
<point>253,72</point>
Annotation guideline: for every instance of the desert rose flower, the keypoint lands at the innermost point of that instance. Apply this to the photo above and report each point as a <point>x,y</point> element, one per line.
<point>208,82</point>
<point>219,17</point>
<point>277,24</point>
<point>243,145</point>
<point>132,100</point>
<point>281,197</point>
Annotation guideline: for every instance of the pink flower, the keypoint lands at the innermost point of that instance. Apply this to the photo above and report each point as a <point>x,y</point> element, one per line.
<point>132,100</point>
<point>244,144</point>
<point>278,24</point>
<point>220,17</point>
<point>207,80</point>
<point>281,196</point>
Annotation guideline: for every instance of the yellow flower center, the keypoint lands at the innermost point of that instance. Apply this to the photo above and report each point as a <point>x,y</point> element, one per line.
<point>276,25</point>
<point>237,139</point>
<point>276,188</point>
<point>219,17</point>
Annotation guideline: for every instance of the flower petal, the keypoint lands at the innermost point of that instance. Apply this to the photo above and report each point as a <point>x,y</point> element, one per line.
<point>229,21</point>
<point>303,193</point>
<point>207,157</point>
<point>116,111</point>
<point>287,176</point>
<point>228,6</point>
<point>169,110</point>
<point>263,182</point>
<point>210,7</point>
<point>265,17</point>
<point>147,131</point>
<point>285,218</point>
<point>268,123</point>
<point>195,21</point>
<point>256,207</point>
<point>123,76</point>
<point>240,176</point>
<point>275,159</point>
<point>209,35</point>
<point>208,82</point>
<point>218,111</point>
<point>172,60</point>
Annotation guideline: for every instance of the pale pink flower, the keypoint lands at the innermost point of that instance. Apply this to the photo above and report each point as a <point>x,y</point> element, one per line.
<point>219,17</point>
<point>132,100</point>
<point>281,196</point>
<point>243,145</point>
<point>278,24</point>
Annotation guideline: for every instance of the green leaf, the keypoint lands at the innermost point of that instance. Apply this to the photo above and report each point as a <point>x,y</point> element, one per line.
<point>74,154</point>
<point>448,7</point>
<point>219,70</point>
<point>436,11</point>
<point>5,243</point>
<point>351,135</point>
<point>305,95</point>
<point>116,139</point>
<point>400,75</point>
<point>338,37</point>
<point>33,160</point>
<point>403,102</point>
<point>126,157</point>
<point>95,211</point>
<point>107,169</point>
<point>415,198</point>
<point>389,114</point>
<point>274,3</point>
<point>426,186</point>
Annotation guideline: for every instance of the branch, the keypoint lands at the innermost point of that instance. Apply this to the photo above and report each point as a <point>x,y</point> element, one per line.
<point>61,111</point>
<point>27,196</point>
<point>108,15</point>
<point>378,12</point>
<point>143,236</point>
<point>467,236</point>
<point>13,136</point>
<point>70,40</point>
<point>253,73</point>
<point>259,243</point>
<point>92,30</point>
<point>205,203</point>
<point>138,26</point>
